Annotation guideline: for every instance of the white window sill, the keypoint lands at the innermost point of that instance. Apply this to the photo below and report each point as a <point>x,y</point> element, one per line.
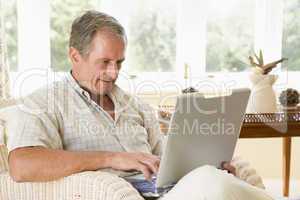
<point>158,84</point>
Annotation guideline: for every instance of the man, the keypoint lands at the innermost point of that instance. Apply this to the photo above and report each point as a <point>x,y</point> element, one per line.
<point>86,122</point>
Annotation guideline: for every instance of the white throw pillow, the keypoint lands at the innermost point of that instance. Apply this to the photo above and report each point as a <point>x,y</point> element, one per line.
<point>7,115</point>
<point>7,109</point>
<point>7,121</point>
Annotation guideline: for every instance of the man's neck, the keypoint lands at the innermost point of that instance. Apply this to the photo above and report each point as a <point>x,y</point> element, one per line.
<point>99,99</point>
<point>103,100</point>
<point>106,103</point>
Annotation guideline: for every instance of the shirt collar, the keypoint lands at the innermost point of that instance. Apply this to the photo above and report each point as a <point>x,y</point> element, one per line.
<point>113,95</point>
<point>77,87</point>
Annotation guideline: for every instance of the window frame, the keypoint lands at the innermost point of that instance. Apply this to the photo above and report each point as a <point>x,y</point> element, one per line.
<point>268,37</point>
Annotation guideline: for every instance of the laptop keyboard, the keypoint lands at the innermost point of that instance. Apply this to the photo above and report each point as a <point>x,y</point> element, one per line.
<point>142,185</point>
<point>148,188</point>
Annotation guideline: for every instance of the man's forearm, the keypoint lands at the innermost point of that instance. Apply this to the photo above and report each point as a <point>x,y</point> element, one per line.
<point>41,164</point>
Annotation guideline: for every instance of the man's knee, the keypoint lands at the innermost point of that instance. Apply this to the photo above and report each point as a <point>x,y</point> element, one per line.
<point>208,173</point>
<point>208,182</point>
<point>206,170</point>
<point>218,184</point>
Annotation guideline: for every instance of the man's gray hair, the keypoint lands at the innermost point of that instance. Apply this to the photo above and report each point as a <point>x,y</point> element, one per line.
<point>87,25</point>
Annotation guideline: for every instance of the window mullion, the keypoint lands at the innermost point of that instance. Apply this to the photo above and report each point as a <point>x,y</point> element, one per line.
<point>33,47</point>
<point>191,33</point>
<point>33,34</point>
<point>268,30</point>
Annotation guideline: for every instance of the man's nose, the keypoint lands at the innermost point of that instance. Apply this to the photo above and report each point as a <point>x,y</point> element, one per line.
<point>112,71</point>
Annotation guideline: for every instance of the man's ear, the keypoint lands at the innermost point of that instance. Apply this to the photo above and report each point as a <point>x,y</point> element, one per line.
<point>74,55</point>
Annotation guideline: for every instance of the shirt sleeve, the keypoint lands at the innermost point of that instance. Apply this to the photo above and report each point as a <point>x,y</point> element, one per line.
<point>27,129</point>
<point>151,124</point>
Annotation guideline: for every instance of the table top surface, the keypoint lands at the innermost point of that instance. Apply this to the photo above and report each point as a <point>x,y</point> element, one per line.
<point>283,117</point>
<point>281,124</point>
<point>285,123</point>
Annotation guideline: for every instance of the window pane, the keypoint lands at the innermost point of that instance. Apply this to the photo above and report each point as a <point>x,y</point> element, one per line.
<point>11,32</point>
<point>291,34</point>
<point>151,32</point>
<point>62,15</point>
<point>152,36</point>
<point>230,35</point>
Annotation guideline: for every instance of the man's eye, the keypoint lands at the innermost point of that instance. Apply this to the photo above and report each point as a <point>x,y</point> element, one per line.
<point>106,62</point>
<point>119,65</point>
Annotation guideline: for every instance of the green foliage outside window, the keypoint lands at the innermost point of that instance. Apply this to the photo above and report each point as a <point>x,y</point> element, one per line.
<point>152,36</point>
<point>11,32</point>
<point>62,15</point>
<point>291,35</point>
<point>152,39</point>
<point>230,37</point>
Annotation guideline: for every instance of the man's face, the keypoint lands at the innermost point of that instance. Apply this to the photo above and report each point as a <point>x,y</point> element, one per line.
<point>98,71</point>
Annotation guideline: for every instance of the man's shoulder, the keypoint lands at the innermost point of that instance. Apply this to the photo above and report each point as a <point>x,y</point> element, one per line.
<point>48,89</point>
<point>45,96</point>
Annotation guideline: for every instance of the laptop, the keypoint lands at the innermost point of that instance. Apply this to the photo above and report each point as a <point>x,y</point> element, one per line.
<point>203,131</point>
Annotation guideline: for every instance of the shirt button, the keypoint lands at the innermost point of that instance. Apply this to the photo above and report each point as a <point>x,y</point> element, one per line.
<point>86,94</point>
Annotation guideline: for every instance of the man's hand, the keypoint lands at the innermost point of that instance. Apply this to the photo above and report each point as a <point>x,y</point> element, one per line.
<point>148,164</point>
<point>227,166</point>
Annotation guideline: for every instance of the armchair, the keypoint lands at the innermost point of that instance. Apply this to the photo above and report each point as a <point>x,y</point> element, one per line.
<point>89,185</point>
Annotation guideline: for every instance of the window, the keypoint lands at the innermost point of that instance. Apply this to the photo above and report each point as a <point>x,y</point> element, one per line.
<point>152,36</point>
<point>61,16</point>
<point>230,35</point>
<point>210,36</point>
<point>151,32</point>
<point>291,34</point>
<point>11,32</point>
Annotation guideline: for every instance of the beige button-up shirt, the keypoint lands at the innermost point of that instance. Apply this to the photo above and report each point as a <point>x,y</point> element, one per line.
<point>63,116</point>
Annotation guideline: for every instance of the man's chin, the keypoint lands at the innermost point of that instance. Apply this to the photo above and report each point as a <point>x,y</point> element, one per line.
<point>104,90</point>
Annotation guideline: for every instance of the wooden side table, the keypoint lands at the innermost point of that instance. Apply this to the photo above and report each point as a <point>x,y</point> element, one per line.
<point>271,125</point>
<point>283,125</point>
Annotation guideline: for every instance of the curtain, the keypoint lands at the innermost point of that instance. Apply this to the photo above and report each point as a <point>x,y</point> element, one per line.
<point>4,68</point>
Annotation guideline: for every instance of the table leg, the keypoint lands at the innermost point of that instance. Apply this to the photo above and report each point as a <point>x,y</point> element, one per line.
<point>287,142</point>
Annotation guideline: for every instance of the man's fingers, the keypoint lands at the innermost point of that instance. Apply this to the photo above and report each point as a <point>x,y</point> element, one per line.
<point>150,159</point>
<point>154,160</point>
<point>227,166</point>
<point>145,170</point>
<point>150,156</point>
<point>157,162</point>
<point>151,164</point>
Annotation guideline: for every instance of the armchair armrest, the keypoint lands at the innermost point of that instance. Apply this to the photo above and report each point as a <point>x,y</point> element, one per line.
<point>91,185</point>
